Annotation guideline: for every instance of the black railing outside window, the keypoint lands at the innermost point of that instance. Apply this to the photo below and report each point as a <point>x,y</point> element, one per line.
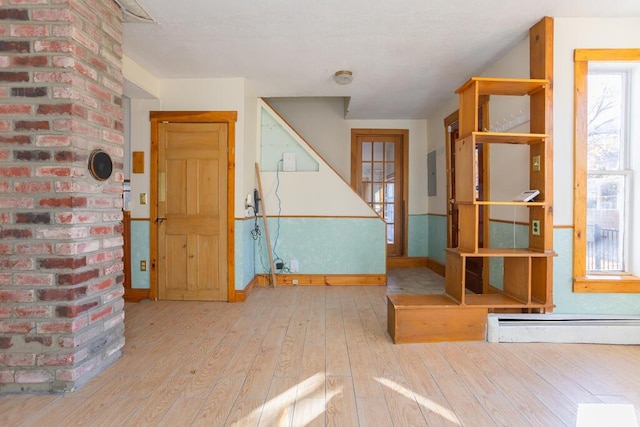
<point>603,249</point>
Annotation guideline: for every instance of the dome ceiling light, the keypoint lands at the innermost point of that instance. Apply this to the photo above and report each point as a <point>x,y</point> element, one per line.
<point>343,77</point>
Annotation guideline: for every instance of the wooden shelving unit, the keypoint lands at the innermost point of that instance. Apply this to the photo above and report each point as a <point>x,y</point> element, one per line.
<point>526,284</point>
<point>527,272</point>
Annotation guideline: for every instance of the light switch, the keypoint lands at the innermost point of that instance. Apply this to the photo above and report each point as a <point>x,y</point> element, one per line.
<point>143,198</point>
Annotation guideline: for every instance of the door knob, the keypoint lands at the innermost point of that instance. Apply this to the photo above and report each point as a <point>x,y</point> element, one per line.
<point>159,220</point>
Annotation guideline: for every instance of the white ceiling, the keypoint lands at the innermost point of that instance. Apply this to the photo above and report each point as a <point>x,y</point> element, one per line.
<point>406,55</point>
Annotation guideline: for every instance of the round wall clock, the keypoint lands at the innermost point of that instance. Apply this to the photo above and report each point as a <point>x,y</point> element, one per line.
<point>100,165</point>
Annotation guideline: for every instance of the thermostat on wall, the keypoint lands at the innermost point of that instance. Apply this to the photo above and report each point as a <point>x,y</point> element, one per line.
<point>100,165</point>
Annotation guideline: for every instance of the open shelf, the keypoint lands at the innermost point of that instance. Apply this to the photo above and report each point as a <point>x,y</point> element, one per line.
<point>502,203</point>
<point>414,301</point>
<point>503,253</point>
<point>493,300</point>
<point>504,86</point>
<point>508,138</point>
<point>499,300</point>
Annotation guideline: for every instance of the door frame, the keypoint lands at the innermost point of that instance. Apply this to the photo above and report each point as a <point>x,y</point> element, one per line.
<point>486,187</point>
<point>404,135</point>
<point>227,117</point>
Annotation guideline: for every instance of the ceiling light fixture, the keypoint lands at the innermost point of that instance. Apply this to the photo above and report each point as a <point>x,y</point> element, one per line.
<point>343,77</point>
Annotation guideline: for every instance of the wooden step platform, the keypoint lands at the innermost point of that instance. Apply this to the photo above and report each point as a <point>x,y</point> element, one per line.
<point>433,318</point>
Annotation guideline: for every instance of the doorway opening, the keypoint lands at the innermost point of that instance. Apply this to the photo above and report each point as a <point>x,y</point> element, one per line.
<point>379,174</point>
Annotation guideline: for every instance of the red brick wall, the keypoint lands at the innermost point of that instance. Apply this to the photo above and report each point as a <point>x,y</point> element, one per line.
<point>61,271</point>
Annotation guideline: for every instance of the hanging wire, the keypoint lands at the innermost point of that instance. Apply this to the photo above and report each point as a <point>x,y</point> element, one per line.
<point>275,243</point>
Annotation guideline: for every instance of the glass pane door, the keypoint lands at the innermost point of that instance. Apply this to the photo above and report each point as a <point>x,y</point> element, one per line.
<point>380,184</point>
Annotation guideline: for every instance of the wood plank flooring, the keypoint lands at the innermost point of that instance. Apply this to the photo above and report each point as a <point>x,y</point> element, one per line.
<point>320,356</point>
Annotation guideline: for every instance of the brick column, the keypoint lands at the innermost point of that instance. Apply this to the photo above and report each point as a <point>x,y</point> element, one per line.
<point>61,270</point>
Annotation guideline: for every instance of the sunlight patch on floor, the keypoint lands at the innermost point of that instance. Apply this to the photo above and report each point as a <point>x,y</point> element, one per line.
<point>422,401</point>
<point>301,398</point>
<point>606,414</point>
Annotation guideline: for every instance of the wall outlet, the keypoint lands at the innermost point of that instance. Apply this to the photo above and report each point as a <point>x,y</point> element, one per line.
<point>294,282</point>
<point>535,164</point>
<point>143,265</point>
<point>535,227</point>
<point>294,266</point>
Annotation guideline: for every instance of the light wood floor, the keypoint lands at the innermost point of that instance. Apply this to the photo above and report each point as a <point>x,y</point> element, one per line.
<point>297,356</point>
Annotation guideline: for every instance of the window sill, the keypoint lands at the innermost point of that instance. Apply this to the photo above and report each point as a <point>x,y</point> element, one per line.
<point>623,284</point>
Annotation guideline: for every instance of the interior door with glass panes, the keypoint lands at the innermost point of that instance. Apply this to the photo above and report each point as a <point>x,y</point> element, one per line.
<point>378,179</point>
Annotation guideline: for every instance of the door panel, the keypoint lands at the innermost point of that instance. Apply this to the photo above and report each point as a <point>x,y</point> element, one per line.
<point>378,177</point>
<point>192,238</point>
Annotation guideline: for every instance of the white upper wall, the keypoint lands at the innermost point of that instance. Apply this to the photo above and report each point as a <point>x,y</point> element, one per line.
<point>320,121</point>
<point>514,64</point>
<point>192,95</point>
<point>417,156</point>
<point>308,193</point>
<point>571,34</point>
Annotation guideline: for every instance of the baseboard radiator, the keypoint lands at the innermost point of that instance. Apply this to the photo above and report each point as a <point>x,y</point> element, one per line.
<point>561,328</point>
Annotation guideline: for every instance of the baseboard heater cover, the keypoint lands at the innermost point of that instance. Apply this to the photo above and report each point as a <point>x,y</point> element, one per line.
<point>559,328</point>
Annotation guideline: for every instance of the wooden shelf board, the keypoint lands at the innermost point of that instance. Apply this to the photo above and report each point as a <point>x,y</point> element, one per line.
<point>504,86</point>
<point>501,203</point>
<point>498,301</point>
<point>405,301</point>
<point>509,137</point>
<point>502,252</point>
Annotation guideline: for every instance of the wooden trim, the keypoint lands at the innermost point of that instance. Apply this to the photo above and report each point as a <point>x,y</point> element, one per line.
<point>562,226</point>
<point>582,282</point>
<point>135,295</point>
<point>321,216</point>
<point>325,279</point>
<point>580,71</point>
<point>541,55</point>
<point>140,219</point>
<point>231,207</point>
<point>434,265</point>
<point>194,116</point>
<point>242,295</point>
<point>126,248</point>
<point>623,284</point>
<point>228,117</point>
<point>580,55</point>
<point>153,210</point>
<point>486,189</point>
<point>406,262</point>
<point>433,214</point>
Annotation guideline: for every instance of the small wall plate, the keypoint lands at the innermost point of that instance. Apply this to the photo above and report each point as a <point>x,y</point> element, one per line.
<point>100,165</point>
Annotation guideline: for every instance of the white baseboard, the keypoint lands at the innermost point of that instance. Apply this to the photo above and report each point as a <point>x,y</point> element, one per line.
<point>559,328</point>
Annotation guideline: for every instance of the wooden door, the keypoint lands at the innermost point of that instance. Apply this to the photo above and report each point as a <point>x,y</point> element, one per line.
<point>378,176</point>
<point>192,211</point>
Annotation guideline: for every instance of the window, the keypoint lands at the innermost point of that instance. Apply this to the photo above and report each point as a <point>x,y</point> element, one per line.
<point>607,147</point>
